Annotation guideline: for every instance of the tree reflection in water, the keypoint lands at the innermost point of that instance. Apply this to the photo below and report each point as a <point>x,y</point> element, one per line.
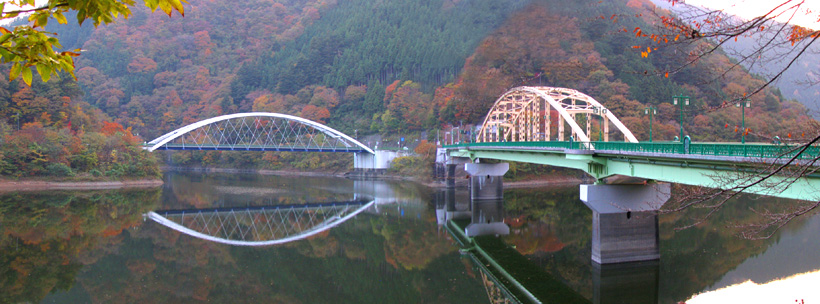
<point>394,249</point>
<point>48,237</point>
<point>94,247</point>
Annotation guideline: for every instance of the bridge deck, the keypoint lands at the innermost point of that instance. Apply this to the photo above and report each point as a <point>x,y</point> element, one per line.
<point>741,152</point>
<point>262,148</point>
<point>712,165</point>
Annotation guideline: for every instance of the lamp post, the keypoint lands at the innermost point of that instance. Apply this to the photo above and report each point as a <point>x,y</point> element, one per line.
<point>743,104</point>
<point>680,100</point>
<point>651,111</point>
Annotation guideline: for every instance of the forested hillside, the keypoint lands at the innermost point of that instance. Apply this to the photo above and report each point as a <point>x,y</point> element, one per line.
<point>593,52</point>
<point>50,131</point>
<point>397,68</point>
<point>291,57</point>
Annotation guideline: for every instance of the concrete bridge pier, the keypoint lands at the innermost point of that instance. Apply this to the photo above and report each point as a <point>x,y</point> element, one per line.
<point>450,164</point>
<point>486,180</point>
<point>625,221</point>
<point>450,176</point>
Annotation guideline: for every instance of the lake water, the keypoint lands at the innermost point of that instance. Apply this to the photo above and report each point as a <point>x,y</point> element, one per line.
<point>345,241</point>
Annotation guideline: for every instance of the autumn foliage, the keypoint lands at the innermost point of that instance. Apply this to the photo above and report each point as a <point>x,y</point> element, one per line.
<point>48,133</point>
<point>326,61</point>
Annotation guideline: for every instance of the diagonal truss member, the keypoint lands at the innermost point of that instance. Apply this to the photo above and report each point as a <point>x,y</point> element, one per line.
<point>258,131</point>
<point>525,114</point>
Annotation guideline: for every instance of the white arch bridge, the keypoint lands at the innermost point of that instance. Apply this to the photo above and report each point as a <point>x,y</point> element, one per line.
<point>257,131</point>
<point>525,114</point>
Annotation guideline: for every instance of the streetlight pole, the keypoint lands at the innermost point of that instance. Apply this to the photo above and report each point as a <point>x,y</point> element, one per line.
<point>680,100</point>
<point>651,111</point>
<point>743,104</point>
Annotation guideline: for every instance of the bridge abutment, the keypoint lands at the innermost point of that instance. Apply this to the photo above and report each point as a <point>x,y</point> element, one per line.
<point>625,221</point>
<point>373,165</point>
<point>486,180</point>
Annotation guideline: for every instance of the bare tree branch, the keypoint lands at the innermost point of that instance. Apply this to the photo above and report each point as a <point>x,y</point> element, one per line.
<point>788,171</point>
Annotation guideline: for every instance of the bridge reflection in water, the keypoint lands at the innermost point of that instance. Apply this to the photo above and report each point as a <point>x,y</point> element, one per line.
<point>277,224</point>
<point>475,225</point>
<point>509,277</point>
<point>259,226</point>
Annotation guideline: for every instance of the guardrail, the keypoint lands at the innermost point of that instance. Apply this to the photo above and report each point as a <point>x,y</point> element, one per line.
<point>709,149</point>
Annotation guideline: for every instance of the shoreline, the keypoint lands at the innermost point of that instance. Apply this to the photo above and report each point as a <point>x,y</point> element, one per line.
<point>460,182</point>
<point>39,185</point>
<point>252,171</point>
<point>42,185</point>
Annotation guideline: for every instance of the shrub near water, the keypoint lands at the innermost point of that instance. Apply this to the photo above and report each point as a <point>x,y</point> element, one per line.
<point>38,150</point>
<point>419,165</point>
<point>413,166</point>
<point>59,169</point>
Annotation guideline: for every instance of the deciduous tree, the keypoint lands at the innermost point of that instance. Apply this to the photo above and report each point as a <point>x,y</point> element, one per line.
<point>699,33</point>
<point>29,46</point>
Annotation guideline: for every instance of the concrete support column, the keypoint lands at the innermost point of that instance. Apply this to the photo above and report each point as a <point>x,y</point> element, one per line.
<point>439,171</point>
<point>486,180</point>
<point>624,221</point>
<point>450,179</point>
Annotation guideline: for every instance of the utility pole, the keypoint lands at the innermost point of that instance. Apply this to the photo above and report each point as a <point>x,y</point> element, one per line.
<point>743,104</point>
<point>651,111</point>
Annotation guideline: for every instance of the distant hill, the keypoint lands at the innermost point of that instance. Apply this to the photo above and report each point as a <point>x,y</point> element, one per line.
<point>591,49</point>
<point>795,82</point>
<point>395,67</point>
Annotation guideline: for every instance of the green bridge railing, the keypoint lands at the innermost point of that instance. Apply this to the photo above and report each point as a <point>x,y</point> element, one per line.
<point>708,149</point>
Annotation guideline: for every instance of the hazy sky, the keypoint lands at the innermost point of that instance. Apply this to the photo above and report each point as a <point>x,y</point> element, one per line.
<point>806,16</point>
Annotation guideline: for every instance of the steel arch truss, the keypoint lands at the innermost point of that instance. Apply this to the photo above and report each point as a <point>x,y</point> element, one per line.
<point>259,226</point>
<point>524,114</point>
<point>258,131</point>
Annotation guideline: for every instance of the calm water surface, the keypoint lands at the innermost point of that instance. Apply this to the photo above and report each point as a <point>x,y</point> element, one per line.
<point>98,247</point>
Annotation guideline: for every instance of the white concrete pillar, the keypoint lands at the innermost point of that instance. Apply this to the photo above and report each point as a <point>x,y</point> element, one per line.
<point>625,221</point>
<point>486,180</point>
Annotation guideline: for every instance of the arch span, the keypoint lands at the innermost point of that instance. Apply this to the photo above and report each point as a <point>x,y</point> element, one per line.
<point>259,226</point>
<point>258,131</point>
<point>524,114</point>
